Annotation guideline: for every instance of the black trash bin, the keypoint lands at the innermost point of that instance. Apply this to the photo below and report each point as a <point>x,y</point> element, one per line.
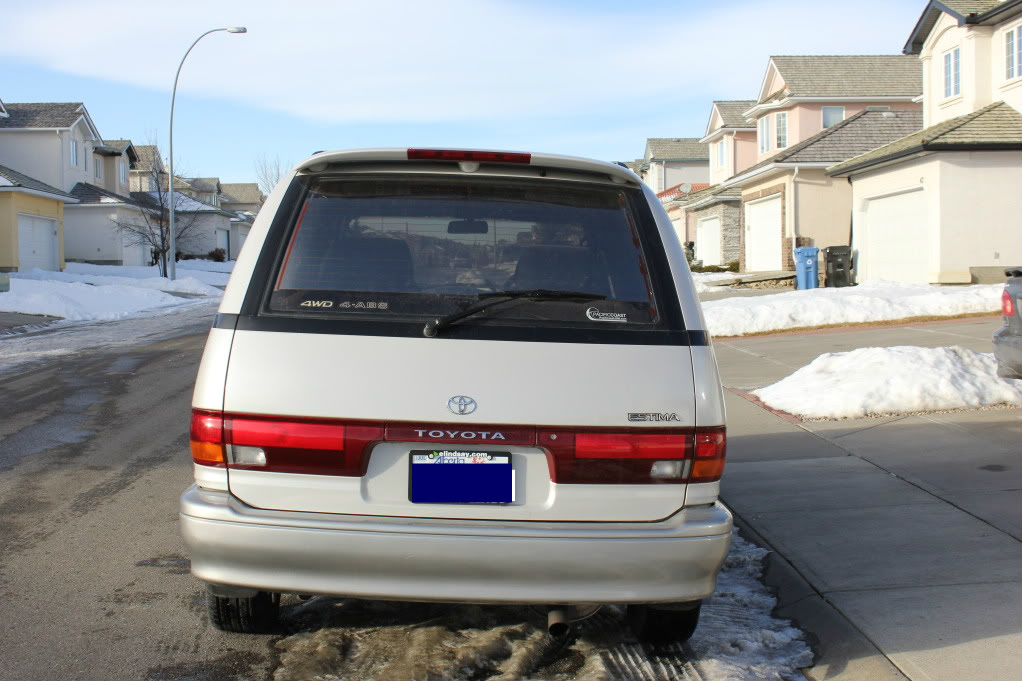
<point>838,261</point>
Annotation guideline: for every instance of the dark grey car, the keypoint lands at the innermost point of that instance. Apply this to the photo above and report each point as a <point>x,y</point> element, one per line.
<point>1008,339</point>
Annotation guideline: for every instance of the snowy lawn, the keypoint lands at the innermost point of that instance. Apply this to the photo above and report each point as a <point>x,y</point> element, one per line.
<point>105,292</point>
<point>701,279</point>
<point>895,380</point>
<point>871,301</point>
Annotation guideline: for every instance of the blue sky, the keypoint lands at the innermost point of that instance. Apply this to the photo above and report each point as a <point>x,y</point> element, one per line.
<point>584,78</point>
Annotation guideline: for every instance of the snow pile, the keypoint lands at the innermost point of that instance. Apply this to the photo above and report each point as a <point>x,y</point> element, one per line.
<point>872,301</point>
<point>76,301</point>
<point>737,638</point>
<point>896,380</point>
<point>117,278</point>
<point>206,271</point>
<point>701,280</point>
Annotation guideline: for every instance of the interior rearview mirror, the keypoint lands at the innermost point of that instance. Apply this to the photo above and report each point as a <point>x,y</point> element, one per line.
<point>468,227</point>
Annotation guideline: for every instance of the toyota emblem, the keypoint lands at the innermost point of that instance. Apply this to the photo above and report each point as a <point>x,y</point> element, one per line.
<point>462,405</point>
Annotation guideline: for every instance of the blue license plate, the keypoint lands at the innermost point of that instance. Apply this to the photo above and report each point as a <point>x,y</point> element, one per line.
<point>455,476</point>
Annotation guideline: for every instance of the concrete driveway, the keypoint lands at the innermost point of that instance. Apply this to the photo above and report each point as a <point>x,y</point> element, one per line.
<point>897,539</point>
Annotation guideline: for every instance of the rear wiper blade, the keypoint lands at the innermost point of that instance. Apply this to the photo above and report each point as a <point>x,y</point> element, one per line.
<point>488,300</point>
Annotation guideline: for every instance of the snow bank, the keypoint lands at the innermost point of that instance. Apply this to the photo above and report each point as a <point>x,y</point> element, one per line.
<point>895,380</point>
<point>117,278</point>
<point>871,301</point>
<point>737,638</point>
<point>206,271</point>
<point>76,301</point>
<point>700,279</point>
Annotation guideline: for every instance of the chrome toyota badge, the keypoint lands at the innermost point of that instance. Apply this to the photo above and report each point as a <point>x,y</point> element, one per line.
<point>462,405</point>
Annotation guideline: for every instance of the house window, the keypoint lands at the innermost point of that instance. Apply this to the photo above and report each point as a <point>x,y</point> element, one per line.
<point>99,170</point>
<point>952,73</point>
<point>833,115</point>
<point>124,173</point>
<point>720,153</point>
<point>764,134</point>
<point>782,130</point>
<point>74,152</point>
<point>1013,53</point>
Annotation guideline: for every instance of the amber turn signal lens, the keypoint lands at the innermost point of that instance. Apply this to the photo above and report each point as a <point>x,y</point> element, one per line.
<point>208,453</point>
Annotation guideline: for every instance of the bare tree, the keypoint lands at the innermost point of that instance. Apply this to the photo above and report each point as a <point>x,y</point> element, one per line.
<point>269,171</point>
<point>151,228</point>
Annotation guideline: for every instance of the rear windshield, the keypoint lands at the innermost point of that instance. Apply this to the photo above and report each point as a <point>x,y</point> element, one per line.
<point>398,247</point>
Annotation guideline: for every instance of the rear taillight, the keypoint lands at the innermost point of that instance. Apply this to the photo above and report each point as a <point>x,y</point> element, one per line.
<point>634,457</point>
<point>207,438</point>
<point>1007,304</point>
<point>459,155</point>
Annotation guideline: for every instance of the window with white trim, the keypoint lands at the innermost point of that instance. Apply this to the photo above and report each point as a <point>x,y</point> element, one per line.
<point>764,134</point>
<point>832,115</point>
<point>782,129</point>
<point>74,152</point>
<point>1013,53</point>
<point>952,73</point>
<point>99,169</point>
<point>124,173</point>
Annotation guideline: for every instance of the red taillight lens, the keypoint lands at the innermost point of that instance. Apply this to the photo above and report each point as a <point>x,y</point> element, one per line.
<point>207,438</point>
<point>457,155</point>
<point>708,462</point>
<point>313,447</point>
<point>1007,304</point>
<point>631,446</point>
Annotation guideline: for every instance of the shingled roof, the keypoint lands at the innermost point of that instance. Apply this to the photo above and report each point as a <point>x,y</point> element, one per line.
<point>203,184</point>
<point>965,12</point>
<point>848,76</point>
<point>12,180</point>
<point>677,149</point>
<point>709,196</point>
<point>855,135</point>
<point>731,112</point>
<point>42,114</point>
<point>242,192</point>
<point>994,127</point>
<point>90,194</point>
<point>146,153</point>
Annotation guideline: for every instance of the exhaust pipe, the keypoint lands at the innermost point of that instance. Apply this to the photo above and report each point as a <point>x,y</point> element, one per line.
<point>557,622</point>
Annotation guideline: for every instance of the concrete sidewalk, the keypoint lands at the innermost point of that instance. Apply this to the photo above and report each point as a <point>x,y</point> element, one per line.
<point>897,539</point>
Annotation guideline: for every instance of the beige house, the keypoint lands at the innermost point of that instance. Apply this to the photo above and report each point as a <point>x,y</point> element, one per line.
<point>731,139</point>
<point>672,161</point>
<point>949,196</point>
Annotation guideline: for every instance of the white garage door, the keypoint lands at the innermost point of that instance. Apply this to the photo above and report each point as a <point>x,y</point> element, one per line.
<point>37,243</point>
<point>895,244</point>
<point>708,241</point>
<point>223,240</point>
<point>763,235</point>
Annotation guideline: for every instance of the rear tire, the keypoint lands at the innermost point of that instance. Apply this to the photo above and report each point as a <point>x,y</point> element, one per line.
<point>658,625</point>
<point>258,614</point>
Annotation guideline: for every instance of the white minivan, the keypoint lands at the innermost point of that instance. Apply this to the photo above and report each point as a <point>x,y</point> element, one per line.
<point>459,376</point>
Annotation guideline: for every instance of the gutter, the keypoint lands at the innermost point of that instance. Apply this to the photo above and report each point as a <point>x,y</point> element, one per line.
<point>738,179</point>
<point>723,131</point>
<point>37,192</point>
<point>921,149</point>
<point>770,106</point>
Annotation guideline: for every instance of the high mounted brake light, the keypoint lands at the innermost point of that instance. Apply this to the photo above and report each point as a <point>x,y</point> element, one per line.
<point>477,156</point>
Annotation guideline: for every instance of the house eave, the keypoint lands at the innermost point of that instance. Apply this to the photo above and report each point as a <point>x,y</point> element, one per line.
<point>770,106</point>
<point>920,150</point>
<point>720,132</point>
<point>36,192</point>
<point>703,202</point>
<point>780,165</point>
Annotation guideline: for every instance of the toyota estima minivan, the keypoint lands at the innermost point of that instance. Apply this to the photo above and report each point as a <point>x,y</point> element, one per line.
<point>459,376</point>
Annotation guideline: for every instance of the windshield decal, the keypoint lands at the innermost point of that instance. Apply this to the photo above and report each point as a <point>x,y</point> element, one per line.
<point>597,316</point>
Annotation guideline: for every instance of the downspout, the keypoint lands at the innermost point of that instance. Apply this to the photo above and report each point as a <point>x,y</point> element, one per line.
<point>60,143</point>
<point>794,212</point>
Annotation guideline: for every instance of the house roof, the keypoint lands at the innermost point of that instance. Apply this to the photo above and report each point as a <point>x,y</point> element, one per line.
<point>997,126</point>
<point>243,192</point>
<point>123,147</point>
<point>89,194</point>
<point>853,136</point>
<point>711,195</point>
<point>848,76</point>
<point>42,115</point>
<point>182,203</point>
<point>965,12</point>
<point>146,154</point>
<point>675,191</point>
<point>11,179</point>
<point>203,184</point>
<point>731,112</point>
<point>676,148</point>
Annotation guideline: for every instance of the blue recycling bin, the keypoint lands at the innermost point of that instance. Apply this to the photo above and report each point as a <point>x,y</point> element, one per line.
<point>807,267</point>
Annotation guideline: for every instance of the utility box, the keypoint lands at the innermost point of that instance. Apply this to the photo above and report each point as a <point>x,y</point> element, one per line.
<point>838,261</point>
<point>807,268</point>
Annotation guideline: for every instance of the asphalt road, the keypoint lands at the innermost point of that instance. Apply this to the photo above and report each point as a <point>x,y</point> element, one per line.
<point>94,577</point>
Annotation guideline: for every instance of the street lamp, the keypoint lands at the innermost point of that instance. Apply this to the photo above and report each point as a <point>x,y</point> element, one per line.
<point>172,262</point>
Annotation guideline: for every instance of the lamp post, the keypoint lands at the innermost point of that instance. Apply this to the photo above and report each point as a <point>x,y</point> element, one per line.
<point>172,261</point>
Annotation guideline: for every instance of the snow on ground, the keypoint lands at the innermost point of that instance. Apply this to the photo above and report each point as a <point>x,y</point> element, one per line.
<point>871,301</point>
<point>700,279</point>
<point>106,292</point>
<point>894,380</point>
<point>737,638</point>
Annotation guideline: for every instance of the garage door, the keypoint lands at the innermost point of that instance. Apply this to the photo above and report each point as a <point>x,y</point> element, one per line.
<point>37,243</point>
<point>763,235</point>
<point>708,241</point>
<point>223,240</point>
<point>895,244</point>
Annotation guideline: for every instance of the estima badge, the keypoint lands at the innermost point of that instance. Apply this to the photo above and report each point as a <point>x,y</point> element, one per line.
<point>462,405</point>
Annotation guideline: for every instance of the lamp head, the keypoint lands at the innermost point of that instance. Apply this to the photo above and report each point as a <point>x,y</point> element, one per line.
<point>237,29</point>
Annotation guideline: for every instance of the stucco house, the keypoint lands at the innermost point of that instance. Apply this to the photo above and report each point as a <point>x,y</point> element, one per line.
<point>670,161</point>
<point>31,222</point>
<point>944,205</point>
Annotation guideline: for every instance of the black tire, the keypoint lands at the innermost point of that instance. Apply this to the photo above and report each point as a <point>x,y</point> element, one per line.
<point>246,615</point>
<point>658,625</point>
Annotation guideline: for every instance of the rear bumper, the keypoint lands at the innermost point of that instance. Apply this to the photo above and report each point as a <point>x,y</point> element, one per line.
<point>449,561</point>
<point>1008,353</point>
